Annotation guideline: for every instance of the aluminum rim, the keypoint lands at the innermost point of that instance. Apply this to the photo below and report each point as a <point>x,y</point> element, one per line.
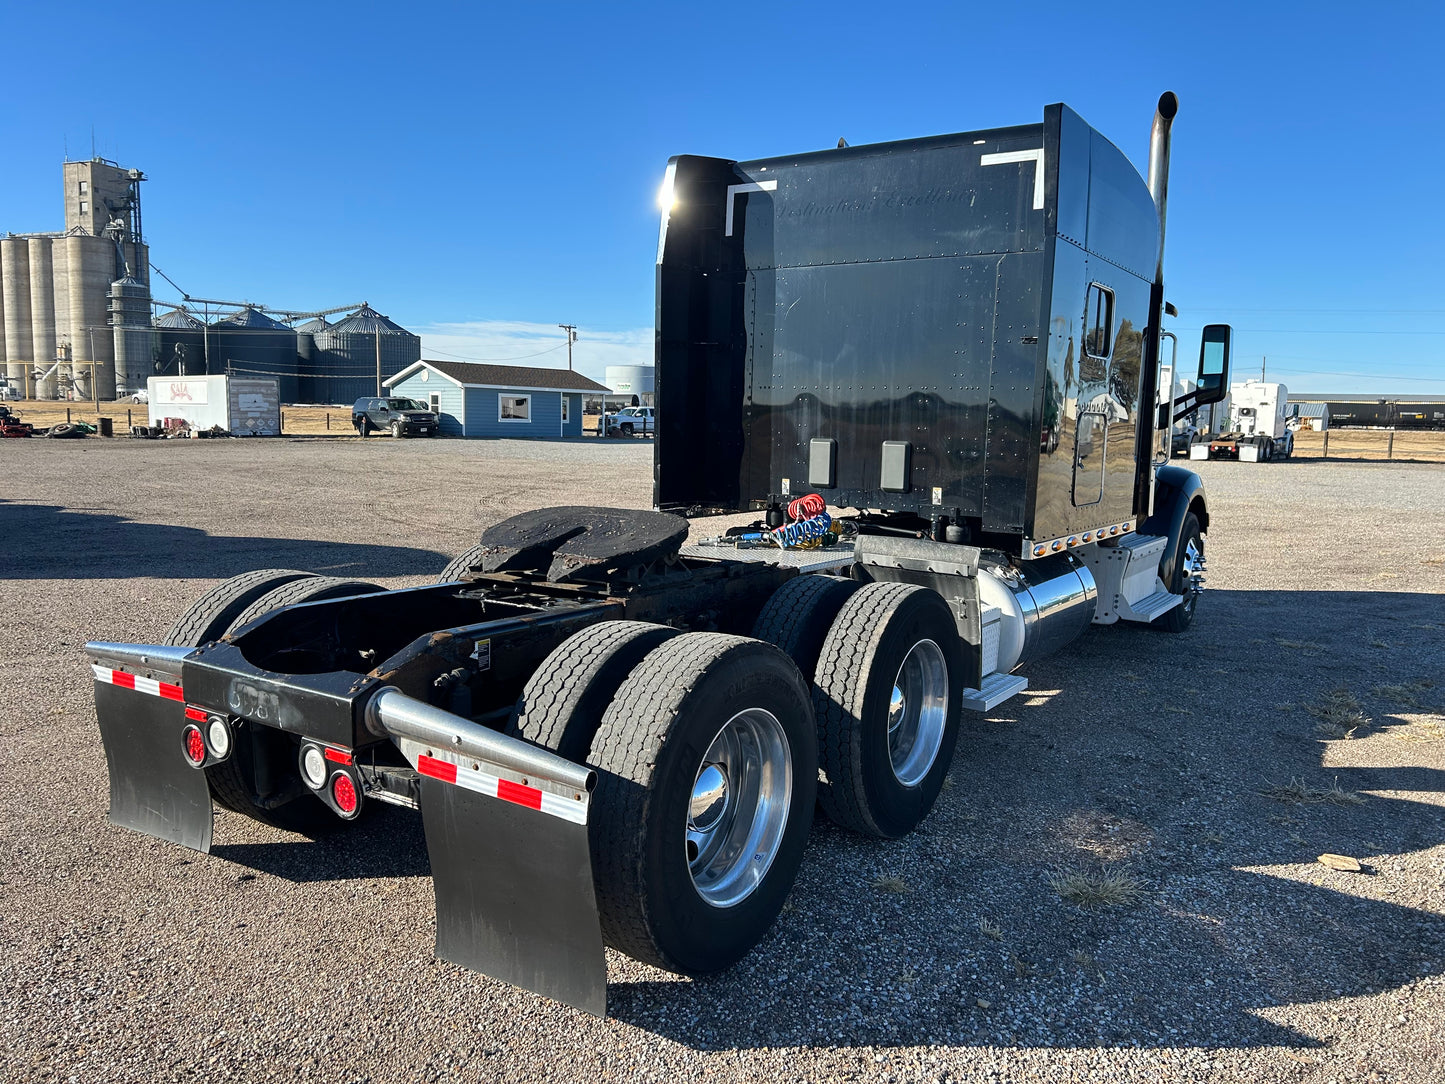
<point>1193,575</point>
<point>738,810</point>
<point>917,713</point>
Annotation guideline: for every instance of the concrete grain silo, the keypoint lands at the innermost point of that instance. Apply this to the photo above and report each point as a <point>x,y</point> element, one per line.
<point>60,296</point>
<point>42,316</point>
<point>90,269</point>
<point>19,333</point>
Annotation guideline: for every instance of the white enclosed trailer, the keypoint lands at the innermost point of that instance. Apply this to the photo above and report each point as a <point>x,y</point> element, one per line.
<point>245,406</point>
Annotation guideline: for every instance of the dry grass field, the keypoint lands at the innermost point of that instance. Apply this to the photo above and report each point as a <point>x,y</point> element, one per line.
<point>316,421</point>
<point>296,421</point>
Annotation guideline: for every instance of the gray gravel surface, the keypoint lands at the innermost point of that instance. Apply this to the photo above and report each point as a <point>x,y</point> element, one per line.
<point>279,957</point>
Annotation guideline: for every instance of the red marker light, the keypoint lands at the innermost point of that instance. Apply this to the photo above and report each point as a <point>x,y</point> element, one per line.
<point>343,791</point>
<point>194,745</point>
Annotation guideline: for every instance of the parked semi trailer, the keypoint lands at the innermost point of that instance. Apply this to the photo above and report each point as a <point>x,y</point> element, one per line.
<point>930,367</point>
<point>1258,427</point>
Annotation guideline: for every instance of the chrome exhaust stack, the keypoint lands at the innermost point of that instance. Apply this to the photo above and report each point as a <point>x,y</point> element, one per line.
<point>1159,137</point>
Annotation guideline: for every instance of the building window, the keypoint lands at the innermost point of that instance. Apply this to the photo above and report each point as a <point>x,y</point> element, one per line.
<point>1099,320</point>
<point>514,408</point>
<point>434,401</point>
<point>84,207</point>
<point>566,408</point>
<point>84,187</point>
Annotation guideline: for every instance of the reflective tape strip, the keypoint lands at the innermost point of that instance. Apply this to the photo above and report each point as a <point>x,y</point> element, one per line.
<point>494,787</point>
<point>163,689</point>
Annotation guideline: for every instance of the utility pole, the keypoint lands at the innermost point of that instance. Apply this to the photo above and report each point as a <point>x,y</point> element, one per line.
<point>378,359</point>
<point>571,330</point>
<point>1262,360</point>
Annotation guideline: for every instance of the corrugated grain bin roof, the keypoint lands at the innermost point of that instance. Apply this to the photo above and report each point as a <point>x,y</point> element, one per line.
<point>365,321</point>
<point>178,318</point>
<point>251,319</point>
<point>311,327</point>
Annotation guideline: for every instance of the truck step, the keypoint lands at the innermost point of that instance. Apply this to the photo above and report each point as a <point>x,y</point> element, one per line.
<point>1151,606</point>
<point>994,690</point>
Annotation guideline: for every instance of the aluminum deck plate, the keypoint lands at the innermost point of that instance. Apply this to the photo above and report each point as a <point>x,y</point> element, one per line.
<point>839,556</point>
<point>996,689</point>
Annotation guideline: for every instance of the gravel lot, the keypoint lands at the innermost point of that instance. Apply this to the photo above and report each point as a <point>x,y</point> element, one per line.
<point>946,956</point>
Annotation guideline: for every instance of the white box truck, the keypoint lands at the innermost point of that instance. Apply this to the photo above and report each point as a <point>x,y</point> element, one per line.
<point>245,406</point>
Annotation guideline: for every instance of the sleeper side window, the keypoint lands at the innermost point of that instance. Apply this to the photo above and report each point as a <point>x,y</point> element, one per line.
<point>1099,321</point>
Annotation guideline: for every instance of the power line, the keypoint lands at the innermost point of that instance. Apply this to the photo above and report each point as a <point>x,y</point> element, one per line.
<point>521,357</point>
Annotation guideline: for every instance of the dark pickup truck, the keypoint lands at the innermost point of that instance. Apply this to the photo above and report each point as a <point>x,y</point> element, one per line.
<point>402,417</point>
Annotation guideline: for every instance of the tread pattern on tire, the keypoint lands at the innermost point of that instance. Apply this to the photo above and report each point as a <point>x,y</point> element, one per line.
<point>838,689</point>
<point>626,748</point>
<point>800,611</point>
<point>310,589</point>
<point>214,612</point>
<point>461,564</point>
<point>566,697</point>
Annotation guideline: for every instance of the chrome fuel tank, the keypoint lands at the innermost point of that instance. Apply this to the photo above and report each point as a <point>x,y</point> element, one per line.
<point>1044,604</point>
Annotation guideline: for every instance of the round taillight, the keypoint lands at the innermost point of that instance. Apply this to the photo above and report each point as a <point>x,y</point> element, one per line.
<point>218,737</point>
<point>194,745</point>
<point>343,792</point>
<point>313,767</point>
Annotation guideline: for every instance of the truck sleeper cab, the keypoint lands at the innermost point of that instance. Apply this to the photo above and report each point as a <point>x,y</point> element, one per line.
<point>931,368</point>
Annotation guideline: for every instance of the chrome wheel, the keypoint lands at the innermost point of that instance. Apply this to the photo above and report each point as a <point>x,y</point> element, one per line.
<point>1193,574</point>
<point>738,810</point>
<point>917,712</point>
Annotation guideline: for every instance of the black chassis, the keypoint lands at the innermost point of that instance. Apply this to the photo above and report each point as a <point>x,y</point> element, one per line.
<point>467,647</point>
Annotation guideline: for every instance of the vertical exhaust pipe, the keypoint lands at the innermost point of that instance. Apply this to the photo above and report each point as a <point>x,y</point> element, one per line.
<point>1159,166</point>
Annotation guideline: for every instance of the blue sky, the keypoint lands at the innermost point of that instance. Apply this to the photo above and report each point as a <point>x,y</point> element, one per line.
<point>484,172</point>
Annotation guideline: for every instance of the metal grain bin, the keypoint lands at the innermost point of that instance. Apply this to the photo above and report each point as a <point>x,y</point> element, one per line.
<point>135,338</point>
<point>250,343</point>
<point>181,345</point>
<point>308,389</point>
<point>345,360</point>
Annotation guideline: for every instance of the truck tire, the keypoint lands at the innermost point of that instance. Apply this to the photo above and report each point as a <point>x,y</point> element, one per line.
<point>461,564</point>
<point>798,615</point>
<point>1182,616</point>
<point>887,695</point>
<point>707,773</point>
<point>234,781</point>
<point>563,702</point>
<point>213,613</point>
<point>396,430</point>
<point>310,589</point>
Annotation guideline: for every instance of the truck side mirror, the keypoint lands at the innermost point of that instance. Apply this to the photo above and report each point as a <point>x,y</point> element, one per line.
<point>1214,355</point>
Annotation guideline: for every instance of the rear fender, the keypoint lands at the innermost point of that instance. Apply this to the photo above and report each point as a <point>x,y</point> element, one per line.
<point>506,832</point>
<point>1177,492</point>
<point>141,710</point>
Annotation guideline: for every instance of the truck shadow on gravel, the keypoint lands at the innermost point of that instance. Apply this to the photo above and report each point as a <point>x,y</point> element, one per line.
<point>50,542</point>
<point>1168,761</point>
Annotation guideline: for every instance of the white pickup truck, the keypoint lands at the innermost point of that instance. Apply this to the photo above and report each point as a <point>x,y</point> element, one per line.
<point>630,421</point>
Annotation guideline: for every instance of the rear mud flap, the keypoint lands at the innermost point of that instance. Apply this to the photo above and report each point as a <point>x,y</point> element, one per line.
<point>152,788</point>
<point>514,893</point>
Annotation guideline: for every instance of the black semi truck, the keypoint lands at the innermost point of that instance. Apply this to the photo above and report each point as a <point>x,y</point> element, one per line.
<point>930,368</point>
